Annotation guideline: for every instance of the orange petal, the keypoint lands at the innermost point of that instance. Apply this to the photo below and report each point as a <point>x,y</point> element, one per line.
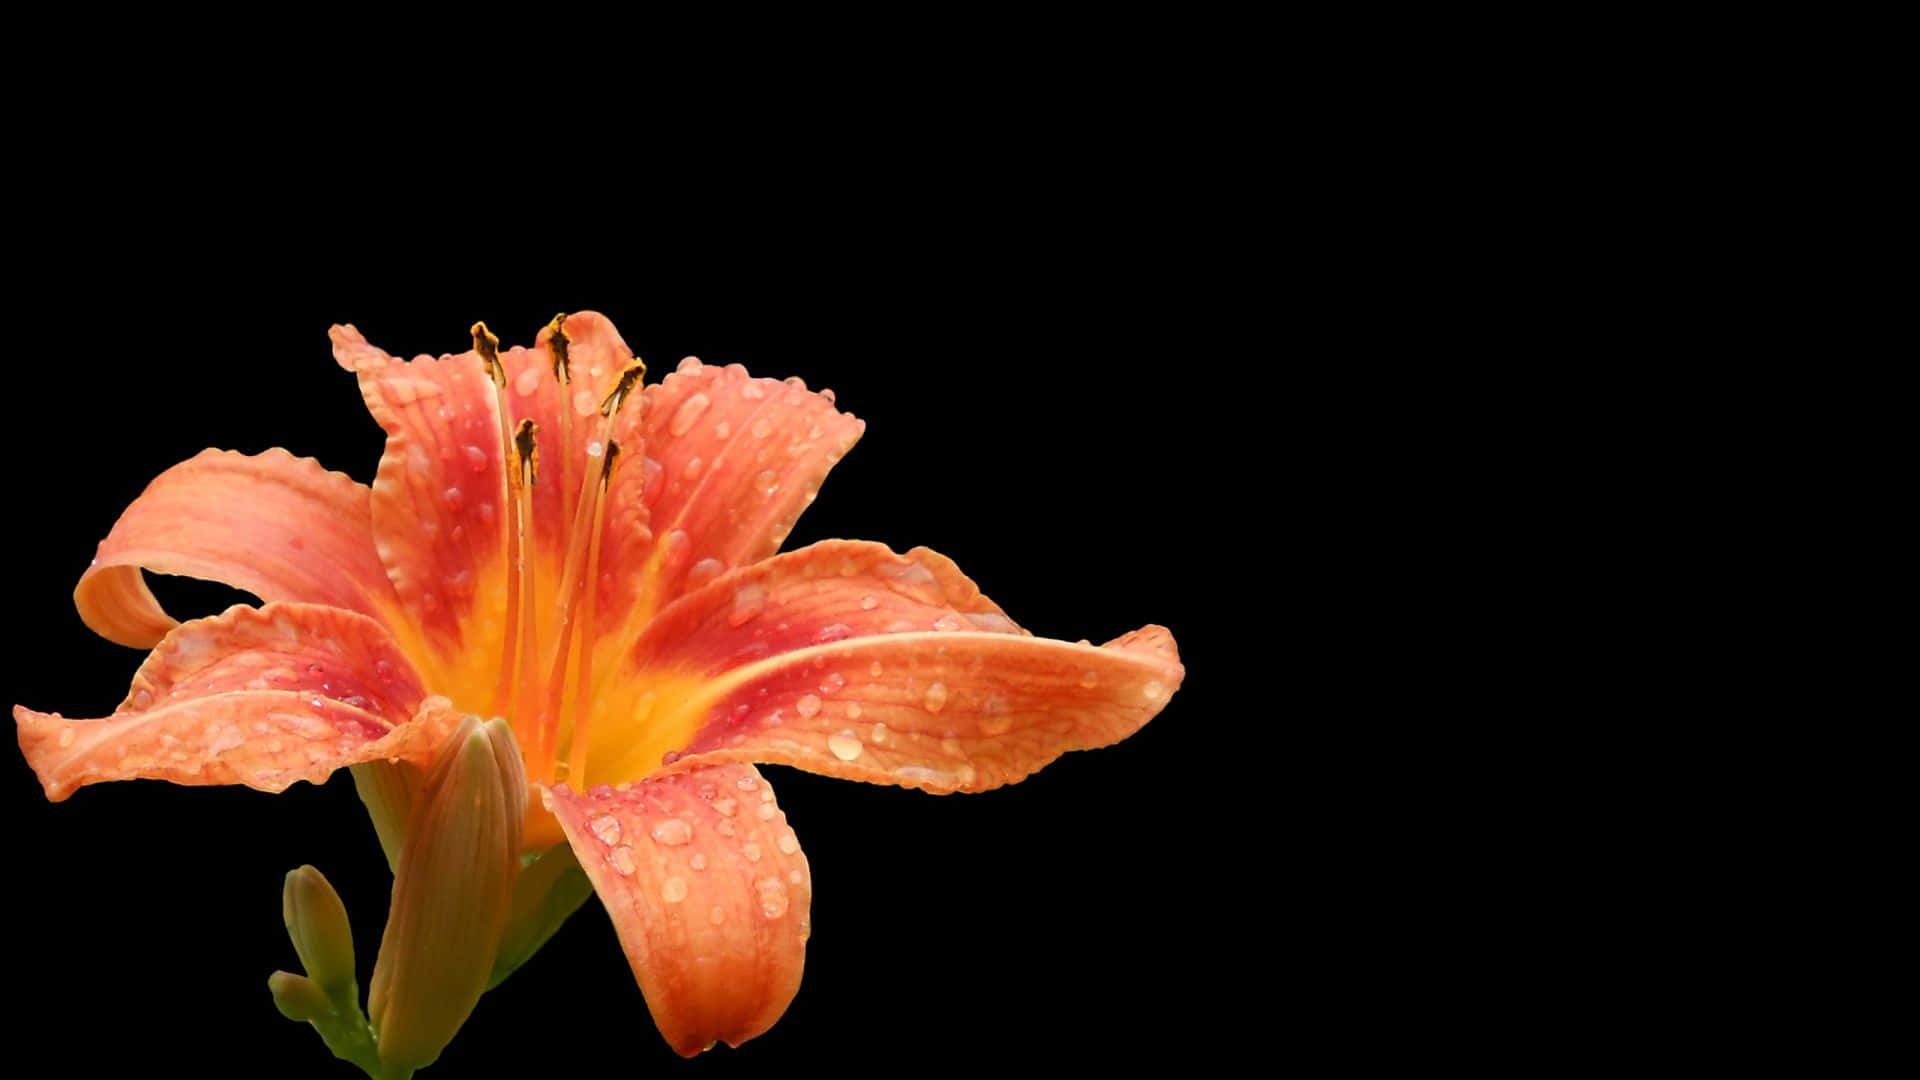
<point>709,892</point>
<point>255,696</point>
<point>277,526</point>
<point>437,497</point>
<point>439,502</point>
<point>732,461</point>
<point>846,659</point>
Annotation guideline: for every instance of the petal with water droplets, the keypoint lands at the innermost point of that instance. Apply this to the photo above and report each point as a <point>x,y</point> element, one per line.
<point>277,526</point>
<point>864,664</point>
<point>261,697</point>
<point>764,448</point>
<point>712,908</point>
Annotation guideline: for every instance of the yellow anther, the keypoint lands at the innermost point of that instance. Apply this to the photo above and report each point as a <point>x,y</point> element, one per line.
<point>557,344</point>
<point>629,376</point>
<point>488,346</point>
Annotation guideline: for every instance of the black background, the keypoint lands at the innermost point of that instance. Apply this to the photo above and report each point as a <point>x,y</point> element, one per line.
<point>1041,375</point>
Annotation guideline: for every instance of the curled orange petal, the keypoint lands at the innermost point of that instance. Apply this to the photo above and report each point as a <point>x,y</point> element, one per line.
<point>847,659</point>
<point>709,892</point>
<point>277,526</point>
<point>261,697</point>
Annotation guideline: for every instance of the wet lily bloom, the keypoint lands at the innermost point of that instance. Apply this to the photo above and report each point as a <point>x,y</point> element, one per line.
<point>551,542</point>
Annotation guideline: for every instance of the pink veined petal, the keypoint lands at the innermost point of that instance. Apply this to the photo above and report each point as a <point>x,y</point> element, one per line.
<point>440,508</point>
<point>709,892</point>
<point>731,462</point>
<point>277,526</point>
<point>255,696</point>
<point>846,659</point>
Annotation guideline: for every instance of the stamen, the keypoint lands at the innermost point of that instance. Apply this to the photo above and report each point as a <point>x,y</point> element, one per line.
<point>629,377</point>
<point>557,344</point>
<point>583,698</point>
<point>488,346</point>
<point>526,454</point>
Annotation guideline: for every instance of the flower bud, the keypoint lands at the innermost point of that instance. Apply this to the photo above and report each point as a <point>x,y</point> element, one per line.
<point>317,923</point>
<point>296,997</point>
<point>452,891</point>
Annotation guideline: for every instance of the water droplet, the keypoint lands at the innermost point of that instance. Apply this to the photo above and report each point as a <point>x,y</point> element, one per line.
<point>704,571</point>
<point>964,774</point>
<point>1152,691</point>
<point>789,843</point>
<point>868,603</point>
<point>796,876</point>
<point>688,414</point>
<point>813,432</point>
<point>874,669</point>
<point>724,806</point>
<point>699,861</point>
<point>584,403</point>
<point>690,365</point>
<point>764,811</point>
<point>751,390</point>
<point>936,697</point>
<point>751,850</point>
<point>948,623</point>
<point>693,467</point>
<point>718,915</point>
<point>66,737</point>
<point>622,860</point>
<point>142,698</point>
<point>596,448</point>
<point>996,723</point>
<point>832,682</point>
<point>878,736</point>
<point>807,706</point>
<point>773,719</point>
<point>527,382</point>
<point>952,746</point>
<point>844,747</point>
<point>795,381</point>
<point>746,783</point>
<point>318,703</point>
<point>749,600</point>
<point>674,891</point>
<point>725,828</point>
<point>827,394</point>
<point>832,632</point>
<point>853,710</point>
<point>476,458</point>
<point>766,794</point>
<point>485,510</point>
<point>606,827</point>
<point>672,832</point>
<point>761,427</point>
<point>767,481</point>
<point>1089,678</point>
<point>773,897</point>
<point>722,429</point>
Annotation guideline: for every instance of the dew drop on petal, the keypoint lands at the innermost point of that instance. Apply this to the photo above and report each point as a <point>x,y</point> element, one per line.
<point>699,861</point>
<point>725,807</point>
<point>704,571</point>
<point>749,600</point>
<point>796,876</point>
<point>764,811</point>
<point>1089,679</point>
<point>688,414</point>
<point>1152,691</point>
<point>718,915</point>
<point>853,710</point>
<point>832,682</point>
<point>674,891</point>
<point>66,737</point>
<point>761,428</point>
<point>844,747</point>
<point>766,481</point>
<point>773,897</point>
<point>689,365</point>
<point>584,404</point>
<point>596,448</point>
<point>672,832</point>
<point>868,603</point>
<point>832,632</point>
<point>874,669</point>
<point>936,697</point>
<point>751,391</point>
<point>807,706</point>
<point>789,843</point>
<point>693,467</point>
<point>746,783</point>
<point>722,429</point>
<point>751,850</point>
<point>143,698</point>
<point>622,860</point>
<point>527,382</point>
<point>606,827</point>
<point>878,736</point>
<point>476,458</point>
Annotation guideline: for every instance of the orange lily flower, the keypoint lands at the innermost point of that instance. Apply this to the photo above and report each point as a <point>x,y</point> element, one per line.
<point>549,541</point>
